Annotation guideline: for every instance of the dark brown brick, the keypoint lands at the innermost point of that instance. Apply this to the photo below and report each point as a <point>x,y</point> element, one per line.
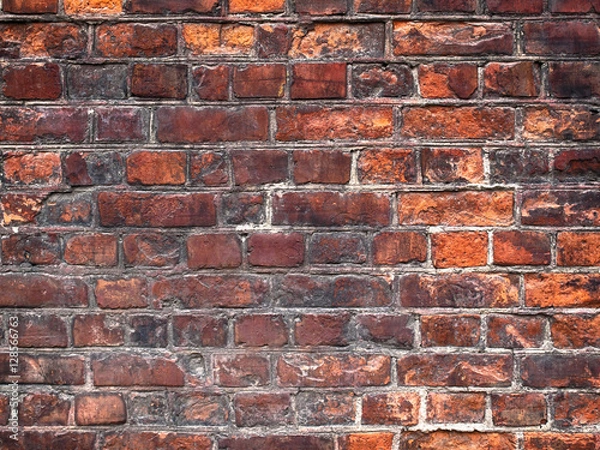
<point>33,82</point>
<point>378,80</point>
<point>515,331</point>
<point>549,208</point>
<point>338,248</point>
<point>45,369</point>
<point>199,331</point>
<point>521,79</point>
<point>36,290</point>
<point>561,371</point>
<point>559,441</point>
<point>279,442</point>
<point>259,81</point>
<point>44,409</point>
<point>209,169</point>
<point>382,6</point>
<point>21,124</point>
<point>574,79</point>
<point>97,82</point>
<point>211,82</point>
<point>321,8</point>
<point>148,331</point>
<point>126,40</point>
<point>446,5</point>
<point>564,37</point>
<point>91,168</point>
<point>519,166</point>
<point>515,6</point>
<point>151,440</point>
<point>97,330</point>
<point>34,249</point>
<point>452,165</point>
<point>151,249</point>
<point>30,6</point>
<point>388,330</point>
<point>322,166</point>
<point>273,40</point>
<point>518,410</point>
<point>521,248</point>
<point>240,208</point>
<point>264,409</point>
<point>121,125</point>
<point>42,331</point>
<point>450,331</point>
<point>159,81</point>
<point>66,440</point>
<point>577,165</point>
<point>313,81</point>
<point>573,6</point>
<point>172,6</point>
<point>252,167</point>
<point>335,408</point>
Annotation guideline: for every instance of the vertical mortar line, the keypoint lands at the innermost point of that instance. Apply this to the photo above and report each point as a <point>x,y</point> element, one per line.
<point>490,249</point>
<point>354,154</point>
<point>349,81</point>
<point>554,249</point>
<point>388,36</point>
<point>423,421</point>
<point>487,171</point>
<point>152,126</point>
<point>518,33</point>
<point>488,416</point>
<point>272,113</point>
<point>520,442</point>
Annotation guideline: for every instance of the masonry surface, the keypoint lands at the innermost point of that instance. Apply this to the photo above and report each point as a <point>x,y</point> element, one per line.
<point>315,225</point>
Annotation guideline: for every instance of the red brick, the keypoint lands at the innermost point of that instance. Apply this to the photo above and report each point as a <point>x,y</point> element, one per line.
<point>260,331</point>
<point>135,370</point>
<point>446,5</point>
<point>279,442</point>
<point>547,208</point>
<point>322,329</point>
<point>30,6</point>
<point>515,331</point>
<point>264,409</point>
<point>93,7</point>
<point>518,410</point>
<point>218,39</point>
<point>126,40</point>
<point>448,81</point>
<point>209,169</point>
<point>576,331</point>
<point>322,166</point>
<point>159,81</point>
<point>32,169</point>
<point>247,6</point>
<point>417,440</point>
<point>577,165</point>
<point>99,409</point>
<point>122,293</point>
<point>211,82</point>
<point>578,249</point>
<point>452,165</point>
<point>200,409</point>
<point>577,123</point>
<point>209,291</point>
<point>328,291</point>
<point>339,40</point>
<point>313,81</point>
<point>262,81</point>
<point>455,370</point>
<point>20,208</point>
<point>252,167</point>
<point>559,441</point>
<point>4,410</point>
<point>515,6</point>
<point>176,210</point>
<point>35,290</point>
<point>44,409</point>
<point>388,330</point>
<point>454,38</point>
<point>43,40</point>
<point>33,82</point>
<point>561,371</point>
<point>338,248</point>
<point>241,208</point>
<point>150,440</point>
<point>91,168</point>
<point>216,251</point>
<point>455,407</point>
<point>21,124</point>
<point>199,331</point>
<point>180,124</point>
<point>392,408</point>
<point>564,37</point>
<point>382,80</point>
<point>335,408</point>
<point>65,440</point>
<point>576,409</point>
<point>315,122</point>
<point>466,122</point>
<point>459,249</point>
<point>241,370</point>
<point>387,166</point>
<point>333,370</point>
<point>564,290</point>
<point>470,208</point>
<point>366,441</point>
<point>321,8</point>
<point>273,40</point>
<point>91,250</point>
<point>172,6</point>
<point>450,331</point>
<point>573,6</point>
<point>276,250</point>
<point>31,248</point>
<point>520,79</point>
<point>521,248</point>
<point>382,6</point>
<point>390,248</point>
<point>45,369</point>
<point>121,125</point>
<point>151,249</point>
<point>308,208</point>
<point>42,331</point>
<point>97,330</point>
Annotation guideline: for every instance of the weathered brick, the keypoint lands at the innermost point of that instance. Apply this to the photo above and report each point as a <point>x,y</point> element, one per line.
<point>562,290</point>
<point>564,37</point>
<point>66,440</point>
<point>574,79</point>
<point>333,370</point>
<point>151,440</point>
<point>560,208</point>
<point>577,165</point>
<point>392,408</point>
<point>241,370</point>
<point>322,329</point>
<point>264,409</point>
<point>377,80</point>
<point>578,249</point>
<point>559,441</point>
<point>44,409</point>
<point>147,408</point>
<point>32,169</point>
<point>276,250</point>
<point>273,40</point>
<point>42,331</point>
<point>93,7</point>
<point>573,6</point>
<point>453,38</point>
<point>387,330</point>
<point>466,122</point>
<point>331,209</point>
<point>452,165</point>
<point>35,290</point>
<point>327,292</point>
<point>199,331</point>
<point>338,248</point>
<point>99,409</point>
<point>459,249</point>
<point>172,6</point>
<point>518,410</point>
<point>335,408</point>
<point>148,331</point>
<point>467,290</point>
<point>252,167</point>
<point>125,369</point>
<point>126,40</point>
<point>211,82</point>
<point>151,249</point>
<point>97,82</point>
<point>446,5</point>
<point>313,81</point>
<point>159,81</point>
<point>150,168</point>
<point>561,371</point>
<point>387,166</point>
<point>179,124</point>
<point>322,166</point>
<point>390,248</point>
<point>519,166</point>
<point>577,123</point>
<point>260,330</point>
<point>314,122</point>
<point>20,208</point>
<point>247,6</point>
<point>240,208</point>
<point>520,79</point>
<point>209,169</point>
<point>459,407</point>
<point>321,8</point>
<point>448,81</point>
<point>34,249</point>
<point>515,331</point>
<point>42,40</point>
<point>418,440</point>
<point>366,441</point>
<point>450,331</point>
<point>21,124</point>
<point>97,330</point>
<point>45,369</point>
<point>457,208</point>
<point>32,82</point>
<point>91,168</point>
<point>515,6</point>
<point>199,408</point>
<point>121,125</point>
<point>280,442</point>
<point>382,6</point>
<point>30,6</point>
<point>204,291</point>
<point>176,210</point>
<point>521,248</point>
<point>575,331</point>
<point>216,251</point>
<point>91,250</point>
<point>218,39</point>
<point>122,293</point>
<point>259,81</point>
<point>576,409</point>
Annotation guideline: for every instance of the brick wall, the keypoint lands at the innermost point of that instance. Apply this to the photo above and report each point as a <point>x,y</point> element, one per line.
<point>317,225</point>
